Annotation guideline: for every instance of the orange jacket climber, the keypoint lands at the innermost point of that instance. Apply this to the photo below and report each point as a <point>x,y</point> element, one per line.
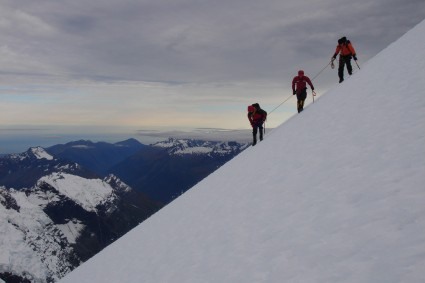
<point>345,49</point>
<point>346,52</point>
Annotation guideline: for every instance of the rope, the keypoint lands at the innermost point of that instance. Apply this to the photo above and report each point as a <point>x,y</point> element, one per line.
<point>330,62</point>
<point>281,103</point>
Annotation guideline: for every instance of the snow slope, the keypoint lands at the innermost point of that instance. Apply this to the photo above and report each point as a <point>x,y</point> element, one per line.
<point>336,194</point>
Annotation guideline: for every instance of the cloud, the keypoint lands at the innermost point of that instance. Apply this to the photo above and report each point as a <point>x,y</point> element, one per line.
<point>194,62</point>
<point>197,41</point>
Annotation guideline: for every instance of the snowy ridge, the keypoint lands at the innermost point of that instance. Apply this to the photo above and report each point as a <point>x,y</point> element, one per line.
<point>34,152</point>
<point>40,153</point>
<point>89,193</point>
<point>199,147</point>
<point>337,197</point>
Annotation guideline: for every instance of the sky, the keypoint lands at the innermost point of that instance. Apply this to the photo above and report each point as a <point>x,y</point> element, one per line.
<point>117,66</point>
<point>337,197</point>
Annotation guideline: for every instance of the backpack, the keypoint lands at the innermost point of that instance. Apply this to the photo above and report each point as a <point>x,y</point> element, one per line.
<point>251,109</point>
<point>263,113</point>
<point>256,107</point>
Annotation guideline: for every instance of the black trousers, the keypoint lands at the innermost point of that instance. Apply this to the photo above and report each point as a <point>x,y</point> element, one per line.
<point>300,100</point>
<point>344,60</point>
<point>255,129</point>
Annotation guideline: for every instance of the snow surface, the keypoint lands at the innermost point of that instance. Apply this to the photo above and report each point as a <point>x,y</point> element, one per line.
<point>40,153</point>
<point>86,192</point>
<point>20,250</point>
<point>198,147</point>
<point>37,152</point>
<point>71,230</point>
<point>336,194</point>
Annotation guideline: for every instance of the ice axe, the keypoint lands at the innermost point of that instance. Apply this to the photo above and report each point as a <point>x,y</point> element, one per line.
<point>357,64</point>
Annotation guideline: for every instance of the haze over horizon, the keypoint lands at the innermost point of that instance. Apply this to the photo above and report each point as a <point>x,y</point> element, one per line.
<point>21,139</point>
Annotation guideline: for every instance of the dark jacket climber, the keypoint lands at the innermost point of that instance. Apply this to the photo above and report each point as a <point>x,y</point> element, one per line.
<point>345,50</point>
<point>256,117</point>
<point>299,87</point>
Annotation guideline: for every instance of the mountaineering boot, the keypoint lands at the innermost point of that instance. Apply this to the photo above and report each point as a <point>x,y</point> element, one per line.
<point>341,80</point>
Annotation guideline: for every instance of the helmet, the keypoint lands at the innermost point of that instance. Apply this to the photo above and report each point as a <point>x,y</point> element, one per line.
<point>342,40</point>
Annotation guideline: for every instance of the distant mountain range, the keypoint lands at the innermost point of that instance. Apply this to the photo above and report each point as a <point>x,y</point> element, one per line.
<point>162,171</point>
<point>167,169</point>
<point>61,205</point>
<point>99,156</point>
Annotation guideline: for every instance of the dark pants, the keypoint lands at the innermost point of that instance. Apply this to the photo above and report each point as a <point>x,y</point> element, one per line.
<point>300,100</point>
<point>255,129</point>
<point>344,60</point>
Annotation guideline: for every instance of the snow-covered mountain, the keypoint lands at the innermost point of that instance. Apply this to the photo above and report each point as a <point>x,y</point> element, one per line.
<point>162,171</point>
<point>336,194</point>
<point>23,170</point>
<point>200,147</point>
<point>40,153</point>
<point>62,219</point>
<point>165,170</point>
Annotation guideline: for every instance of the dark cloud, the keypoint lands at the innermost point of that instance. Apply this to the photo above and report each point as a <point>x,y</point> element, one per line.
<point>201,41</point>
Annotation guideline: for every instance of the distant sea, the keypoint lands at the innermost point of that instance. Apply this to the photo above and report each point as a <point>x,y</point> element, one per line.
<point>17,140</point>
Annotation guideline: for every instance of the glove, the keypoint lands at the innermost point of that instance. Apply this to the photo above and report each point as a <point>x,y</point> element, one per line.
<point>312,88</point>
<point>333,57</point>
<point>294,92</point>
<point>355,57</point>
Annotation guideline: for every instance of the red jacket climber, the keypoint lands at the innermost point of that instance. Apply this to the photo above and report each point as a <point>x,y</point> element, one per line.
<point>256,117</point>
<point>299,87</point>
